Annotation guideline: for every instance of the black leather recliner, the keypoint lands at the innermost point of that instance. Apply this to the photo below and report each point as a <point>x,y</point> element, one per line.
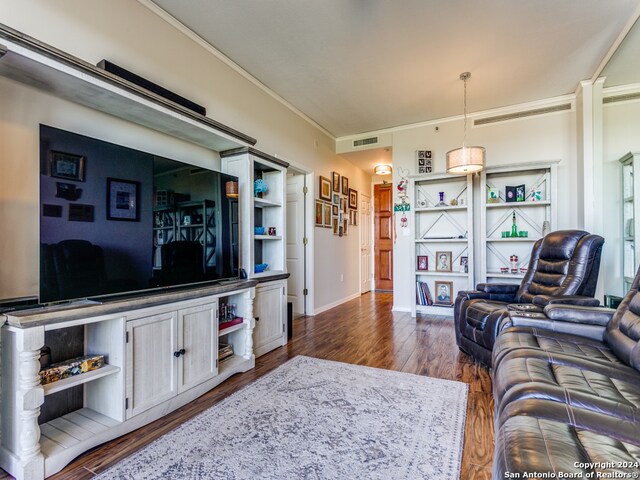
<point>568,403</point>
<point>563,268</point>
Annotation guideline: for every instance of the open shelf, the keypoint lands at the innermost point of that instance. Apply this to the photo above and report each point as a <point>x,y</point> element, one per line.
<point>267,237</point>
<point>230,363</point>
<point>230,329</point>
<point>513,239</point>
<point>71,429</point>
<point>441,274</point>
<point>505,275</point>
<point>436,209</point>
<point>541,203</point>
<point>76,380</point>
<point>262,203</point>
<point>442,240</point>
<point>268,273</point>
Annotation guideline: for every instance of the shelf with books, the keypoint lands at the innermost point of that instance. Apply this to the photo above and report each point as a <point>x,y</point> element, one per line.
<point>442,240</point>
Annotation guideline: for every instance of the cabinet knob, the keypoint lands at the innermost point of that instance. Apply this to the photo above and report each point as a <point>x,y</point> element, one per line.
<point>179,352</point>
<point>257,319</point>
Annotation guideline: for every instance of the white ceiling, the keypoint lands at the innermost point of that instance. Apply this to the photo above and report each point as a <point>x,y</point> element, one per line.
<point>624,66</point>
<point>359,65</point>
<point>367,160</point>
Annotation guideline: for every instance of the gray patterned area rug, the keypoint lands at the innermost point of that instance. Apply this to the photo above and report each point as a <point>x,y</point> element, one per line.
<point>316,419</point>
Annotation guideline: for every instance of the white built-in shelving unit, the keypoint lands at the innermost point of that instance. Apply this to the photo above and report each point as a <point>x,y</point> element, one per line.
<point>447,228</point>
<point>630,227</point>
<point>531,215</point>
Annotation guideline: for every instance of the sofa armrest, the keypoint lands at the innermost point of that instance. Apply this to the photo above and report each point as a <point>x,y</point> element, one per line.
<point>544,300</point>
<point>579,314</point>
<point>499,288</point>
<point>473,294</point>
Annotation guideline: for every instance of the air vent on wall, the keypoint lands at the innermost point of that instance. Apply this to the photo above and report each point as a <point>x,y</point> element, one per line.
<point>622,98</point>
<point>365,141</point>
<point>526,113</point>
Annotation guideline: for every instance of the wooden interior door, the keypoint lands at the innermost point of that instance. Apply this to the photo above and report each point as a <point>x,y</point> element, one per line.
<point>383,231</point>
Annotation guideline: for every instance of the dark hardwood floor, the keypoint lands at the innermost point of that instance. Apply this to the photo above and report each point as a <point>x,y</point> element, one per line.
<point>363,331</point>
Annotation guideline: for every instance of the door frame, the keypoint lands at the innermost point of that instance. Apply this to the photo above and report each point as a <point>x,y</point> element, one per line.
<point>371,235</point>
<point>309,224</point>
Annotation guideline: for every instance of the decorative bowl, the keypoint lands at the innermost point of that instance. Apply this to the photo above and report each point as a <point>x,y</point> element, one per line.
<point>259,230</point>
<point>260,267</point>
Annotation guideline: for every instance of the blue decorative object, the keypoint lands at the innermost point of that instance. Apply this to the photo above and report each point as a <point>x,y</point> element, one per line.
<point>259,186</point>
<point>259,230</point>
<point>260,267</point>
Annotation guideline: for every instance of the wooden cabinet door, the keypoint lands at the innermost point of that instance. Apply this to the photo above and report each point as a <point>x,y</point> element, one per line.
<point>197,335</point>
<point>151,364</point>
<point>268,310</point>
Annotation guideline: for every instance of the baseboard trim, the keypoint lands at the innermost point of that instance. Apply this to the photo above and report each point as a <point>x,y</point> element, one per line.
<point>324,308</point>
<point>401,309</point>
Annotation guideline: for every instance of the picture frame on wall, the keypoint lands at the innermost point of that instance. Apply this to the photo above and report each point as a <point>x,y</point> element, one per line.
<point>335,181</point>
<point>324,190</point>
<point>335,199</point>
<point>345,185</point>
<point>334,210</point>
<point>443,261</point>
<point>335,225</point>
<point>443,293</point>
<point>424,161</point>
<point>353,199</point>
<point>123,200</point>
<point>66,165</point>
<point>327,215</point>
<point>423,263</point>
<point>319,213</point>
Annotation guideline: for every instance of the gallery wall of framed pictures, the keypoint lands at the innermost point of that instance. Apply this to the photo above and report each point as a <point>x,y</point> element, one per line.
<point>337,205</point>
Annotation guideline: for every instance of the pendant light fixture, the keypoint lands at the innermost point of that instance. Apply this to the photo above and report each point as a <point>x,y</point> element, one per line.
<point>465,159</point>
<point>382,169</point>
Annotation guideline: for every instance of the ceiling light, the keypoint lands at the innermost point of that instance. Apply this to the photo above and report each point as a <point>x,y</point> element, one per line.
<point>465,159</point>
<point>382,169</point>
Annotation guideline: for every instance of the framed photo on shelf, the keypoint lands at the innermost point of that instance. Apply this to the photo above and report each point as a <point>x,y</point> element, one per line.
<point>353,199</point>
<point>66,165</point>
<point>443,261</point>
<point>444,293</point>
<point>464,264</point>
<point>423,262</point>
<point>324,192</point>
<point>327,215</point>
<point>319,213</point>
<point>345,185</point>
<point>123,200</point>
<point>335,181</point>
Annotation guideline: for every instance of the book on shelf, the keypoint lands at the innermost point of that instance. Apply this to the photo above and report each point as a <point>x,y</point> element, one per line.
<point>229,323</point>
<point>225,350</point>
<point>423,295</point>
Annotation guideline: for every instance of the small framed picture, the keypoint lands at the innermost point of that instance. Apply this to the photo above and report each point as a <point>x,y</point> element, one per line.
<point>424,160</point>
<point>345,227</point>
<point>327,215</point>
<point>443,261</point>
<point>335,199</point>
<point>514,194</point>
<point>66,165</point>
<point>444,293</point>
<point>324,192</point>
<point>334,209</point>
<point>335,181</point>
<point>464,264</point>
<point>123,200</point>
<point>423,262</point>
<point>345,185</point>
<point>353,199</point>
<point>335,225</point>
<point>319,213</point>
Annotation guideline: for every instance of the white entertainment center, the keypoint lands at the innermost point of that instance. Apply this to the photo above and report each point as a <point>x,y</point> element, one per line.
<point>160,349</point>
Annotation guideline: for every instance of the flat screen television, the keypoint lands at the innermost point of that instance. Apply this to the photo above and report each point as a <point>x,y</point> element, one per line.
<point>116,221</point>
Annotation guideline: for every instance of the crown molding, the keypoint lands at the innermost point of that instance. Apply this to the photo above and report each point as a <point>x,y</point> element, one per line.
<point>182,28</point>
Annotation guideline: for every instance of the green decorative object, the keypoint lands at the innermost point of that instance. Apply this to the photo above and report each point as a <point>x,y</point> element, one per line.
<point>402,207</point>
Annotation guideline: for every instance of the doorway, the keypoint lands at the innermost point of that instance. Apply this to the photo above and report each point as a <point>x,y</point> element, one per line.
<point>383,236</point>
<point>366,244</point>
<point>296,244</point>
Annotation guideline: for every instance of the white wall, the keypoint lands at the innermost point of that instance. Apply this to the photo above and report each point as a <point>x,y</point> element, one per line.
<point>621,124</point>
<point>538,138</point>
<point>129,34</point>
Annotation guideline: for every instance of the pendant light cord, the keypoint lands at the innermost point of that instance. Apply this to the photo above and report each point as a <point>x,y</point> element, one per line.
<point>464,135</point>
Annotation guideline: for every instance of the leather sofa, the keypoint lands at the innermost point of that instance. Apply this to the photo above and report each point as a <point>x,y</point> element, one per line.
<point>563,268</point>
<point>568,403</point>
